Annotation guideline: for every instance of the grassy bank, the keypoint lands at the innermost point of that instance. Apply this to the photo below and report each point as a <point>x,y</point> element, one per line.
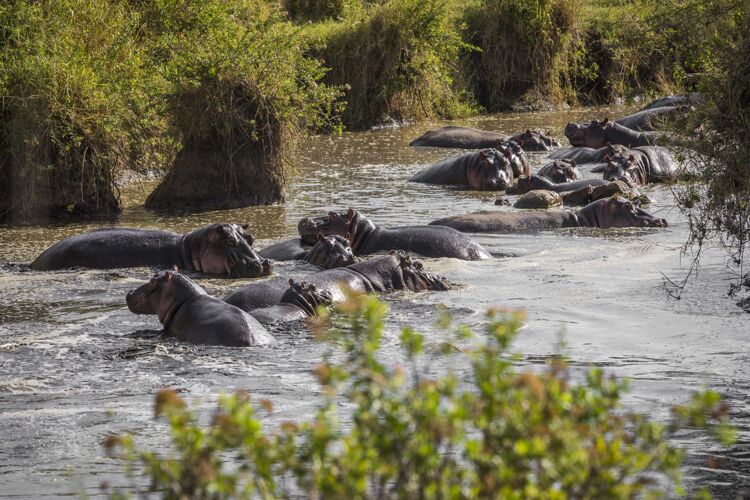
<point>218,90</point>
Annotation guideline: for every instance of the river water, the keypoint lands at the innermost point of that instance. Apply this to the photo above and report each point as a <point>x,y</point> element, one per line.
<point>76,365</point>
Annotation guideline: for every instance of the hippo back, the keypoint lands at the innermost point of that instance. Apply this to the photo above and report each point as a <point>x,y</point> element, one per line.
<point>458,137</point>
<point>113,247</point>
<point>427,241</point>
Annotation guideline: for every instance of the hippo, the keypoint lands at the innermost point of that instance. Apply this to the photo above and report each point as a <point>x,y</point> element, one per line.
<point>459,137</point>
<point>534,182</point>
<point>535,140</point>
<point>650,119</point>
<point>486,169</point>
<point>298,302</point>
<point>603,213</point>
<point>328,252</point>
<point>676,100</point>
<point>452,136</point>
<point>379,274</point>
<point>642,165</point>
<point>559,171</point>
<point>598,133</point>
<point>582,155</point>
<point>188,313</point>
<point>366,238</point>
<point>217,249</point>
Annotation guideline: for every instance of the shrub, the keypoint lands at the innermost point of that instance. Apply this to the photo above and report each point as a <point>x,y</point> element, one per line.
<point>529,51</point>
<point>240,88</point>
<point>315,10</point>
<point>501,432</point>
<point>398,60</point>
<point>718,205</point>
<point>72,107</point>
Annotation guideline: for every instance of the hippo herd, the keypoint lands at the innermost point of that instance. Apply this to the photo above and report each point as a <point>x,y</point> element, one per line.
<point>622,150</point>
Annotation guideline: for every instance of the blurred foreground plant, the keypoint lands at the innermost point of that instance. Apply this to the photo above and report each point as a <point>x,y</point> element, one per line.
<point>502,432</point>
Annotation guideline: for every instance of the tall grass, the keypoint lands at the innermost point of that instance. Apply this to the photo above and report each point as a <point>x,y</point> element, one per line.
<point>529,51</point>
<point>398,60</point>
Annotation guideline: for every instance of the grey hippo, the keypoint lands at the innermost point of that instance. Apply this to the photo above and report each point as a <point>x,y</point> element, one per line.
<point>327,252</point>
<point>188,313</point>
<point>675,100</point>
<point>598,133</point>
<point>471,138</point>
<point>603,213</point>
<point>582,155</point>
<point>652,118</point>
<point>535,182</point>
<point>486,169</point>
<point>643,165</point>
<point>367,238</point>
<point>379,274</point>
<point>558,171</point>
<point>216,249</point>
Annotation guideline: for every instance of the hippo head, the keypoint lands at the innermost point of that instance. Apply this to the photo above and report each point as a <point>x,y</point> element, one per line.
<point>576,134</point>
<point>560,171</point>
<point>224,249</point>
<point>526,183</point>
<point>306,297</point>
<point>416,278</point>
<point>331,251</point>
<point>492,171</point>
<point>623,168</point>
<point>536,140</point>
<point>617,212</point>
<point>162,295</point>
<point>350,225</point>
<point>517,156</point>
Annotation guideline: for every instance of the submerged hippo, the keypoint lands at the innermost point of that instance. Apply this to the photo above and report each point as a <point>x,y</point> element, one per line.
<point>559,171</point>
<point>643,165</point>
<point>486,169</point>
<point>366,238</point>
<point>582,155</point>
<point>379,274</point>
<point>328,252</point>
<point>598,133</point>
<point>604,213</point>
<point>535,182</point>
<point>651,118</point>
<point>676,100</point>
<point>471,138</point>
<point>221,249</point>
<point>188,313</point>
<point>535,140</point>
<point>299,301</point>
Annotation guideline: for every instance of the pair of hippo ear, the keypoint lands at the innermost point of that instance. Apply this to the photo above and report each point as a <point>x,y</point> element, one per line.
<point>304,286</point>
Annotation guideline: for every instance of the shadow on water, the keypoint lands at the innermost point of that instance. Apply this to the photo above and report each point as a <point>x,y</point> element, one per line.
<point>76,365</point>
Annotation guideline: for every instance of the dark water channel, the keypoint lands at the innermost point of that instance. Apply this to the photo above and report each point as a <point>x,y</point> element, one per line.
<point>75,364</point>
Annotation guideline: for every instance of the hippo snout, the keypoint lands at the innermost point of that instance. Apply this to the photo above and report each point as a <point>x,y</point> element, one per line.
<point>252,268</point>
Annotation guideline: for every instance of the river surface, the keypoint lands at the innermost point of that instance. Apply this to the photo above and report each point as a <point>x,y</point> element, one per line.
<point>76,365</point>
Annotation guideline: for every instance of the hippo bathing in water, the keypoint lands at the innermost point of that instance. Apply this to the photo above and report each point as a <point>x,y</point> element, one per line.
<point>379,274</point>
<point>188,313</point>
<point>582,155</point>
<point>535,182</point>
<point>598,133</point>
<point>559,171</point>
<point>643,165</point>
<point>367,238</point>
<point>486,169</point>
<point>220,249</point>
<point>604,213</point>
<point>472,138</point>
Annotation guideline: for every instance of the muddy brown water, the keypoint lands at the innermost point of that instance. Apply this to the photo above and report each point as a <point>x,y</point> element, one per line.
<point>76,365</point>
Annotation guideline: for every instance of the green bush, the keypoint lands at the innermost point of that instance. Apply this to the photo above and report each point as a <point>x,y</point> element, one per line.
<point>718,205</point>
<point>501,432</point>
<point>398,60</point>
<point>315,10</point>
<point>530,51</point>
<point>73,110</point>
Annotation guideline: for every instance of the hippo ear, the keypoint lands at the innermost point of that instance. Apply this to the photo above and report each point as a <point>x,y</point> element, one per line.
<point>245,226</point>
<point>350,213</point>
<point>291,282</point>
<point>175,268</point>
<point>167,275</point>
<point>631,158</point>
<point>392,252</point>
<point>482,154</point>
<point>572,164</point>
<point>321,237</point>
<point>607,158</point>
<point>528,132</point>
<point>606,120</point>
<point>520,143</point>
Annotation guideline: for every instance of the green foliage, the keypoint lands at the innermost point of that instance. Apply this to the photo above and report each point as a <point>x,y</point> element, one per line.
<point>717,206</point>
<point>316,10</point>
<point>501,432</point>
<point>530,51</point>
<point>397,59</point>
